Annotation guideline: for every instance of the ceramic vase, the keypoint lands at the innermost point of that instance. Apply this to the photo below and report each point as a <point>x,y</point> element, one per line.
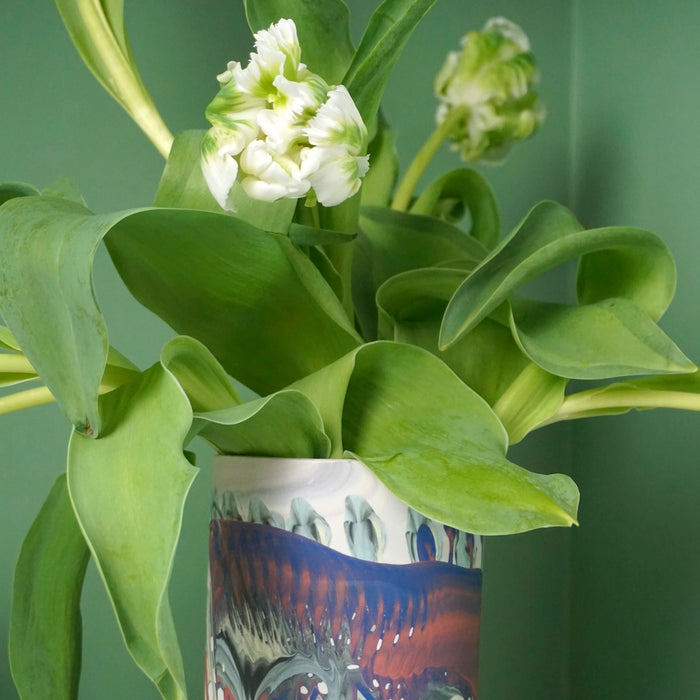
<point>324,585</point>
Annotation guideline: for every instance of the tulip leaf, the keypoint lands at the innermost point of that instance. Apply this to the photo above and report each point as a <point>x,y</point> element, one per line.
<point>65,188</point>
<point>209,275</point>
<point>401,242</point>
<point>303,235</point>
<point>389,28</point>
<point>128,490</point>
<point>182,186</point>
<point>47,298</point>
<point>201,377</point>
<point>411,306</point>
<point>643,272</point>
<point>550,235</point>
<point>251,297</point>
<point>457,191</point>
<point>285,424</point>
<point>433,441</point>
<point>611,338</point>
<point>322,28</point>
<point>392,242</point>
<point>97,30</point>
<point>45,625</point>
<point>323,264</point>
<point>378,183</point>
<point>10,190</point>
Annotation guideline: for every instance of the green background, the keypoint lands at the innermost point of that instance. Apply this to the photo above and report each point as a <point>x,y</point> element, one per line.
<point>609,610</point>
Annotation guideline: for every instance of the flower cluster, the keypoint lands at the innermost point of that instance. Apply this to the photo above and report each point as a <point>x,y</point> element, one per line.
<point>491,82</point>
<point>281,130</point>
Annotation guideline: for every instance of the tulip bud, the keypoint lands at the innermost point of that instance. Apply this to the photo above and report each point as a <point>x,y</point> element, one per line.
<point>491,81</point>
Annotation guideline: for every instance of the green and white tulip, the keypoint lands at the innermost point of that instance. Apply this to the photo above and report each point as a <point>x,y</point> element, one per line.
<point>487,89</point>
<point>281,130</point>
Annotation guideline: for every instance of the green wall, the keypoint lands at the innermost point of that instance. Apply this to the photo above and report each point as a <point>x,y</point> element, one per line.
<point>630,146</point>
<point>636,573</point>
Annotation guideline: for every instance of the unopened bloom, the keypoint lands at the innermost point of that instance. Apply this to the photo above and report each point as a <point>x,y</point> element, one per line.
<point>281,130</point>
<point>491,80</point>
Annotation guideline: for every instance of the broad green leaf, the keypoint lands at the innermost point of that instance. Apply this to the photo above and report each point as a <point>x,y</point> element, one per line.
<point>128,490</point>
<point>323,264</point>
<point>303,235</point>
<point>182,186</point>
<point>209,275</point>
<point>251,297</point>
<point>285,424</point>
<point>401,241</point>
<point>434,441</point>
<point>389,28</point>
<point>456,192</point>
<point>612,338</point>
<point>97,30</point>
<point>550,235</point>
<point>65,188</point>
<point>392,242</point>
<point>201,377</point>
<point>47,298</point>
<point>411,308</point>
<point>45,626</point>
<point>326,389</point>
<point>322,27</point>
<point>10,190</point>
<point>378,183</point>
<point>645,273</point>
<point>487,359</point>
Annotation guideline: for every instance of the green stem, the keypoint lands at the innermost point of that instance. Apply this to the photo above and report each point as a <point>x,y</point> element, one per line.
<point>114,376</point>
<point>619,400</point>
<point>408,184</point>
<point>343,217</point>
<point>11,363</point>
<point>25,399</point>
<point>534,394</point>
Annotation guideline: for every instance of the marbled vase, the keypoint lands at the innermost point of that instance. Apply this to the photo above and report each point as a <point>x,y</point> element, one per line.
<point>324,585</point>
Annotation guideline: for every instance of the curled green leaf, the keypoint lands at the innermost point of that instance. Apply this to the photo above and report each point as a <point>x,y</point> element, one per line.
<point>99,34</point>
<point>611,338</point>
<point>45,624</point>
<point>548,236</point>
<point>434,441</point>
<point>130,520</point>
<point>456,192</point>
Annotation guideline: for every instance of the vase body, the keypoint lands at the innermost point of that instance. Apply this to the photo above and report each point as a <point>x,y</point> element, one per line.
<point>323,584</point>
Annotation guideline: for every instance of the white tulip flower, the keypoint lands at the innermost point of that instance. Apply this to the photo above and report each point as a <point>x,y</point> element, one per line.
<point>281,130</point>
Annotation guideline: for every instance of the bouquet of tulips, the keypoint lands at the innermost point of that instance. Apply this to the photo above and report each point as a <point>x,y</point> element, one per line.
<point>363,317</point>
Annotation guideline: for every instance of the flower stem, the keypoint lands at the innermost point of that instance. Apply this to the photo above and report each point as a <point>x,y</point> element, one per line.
<point>25,399</point>
<point>114,376</point>
<point>408,184</point>
<point>15,363</point>
<point>534,395</point>
<point>619,400</point>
